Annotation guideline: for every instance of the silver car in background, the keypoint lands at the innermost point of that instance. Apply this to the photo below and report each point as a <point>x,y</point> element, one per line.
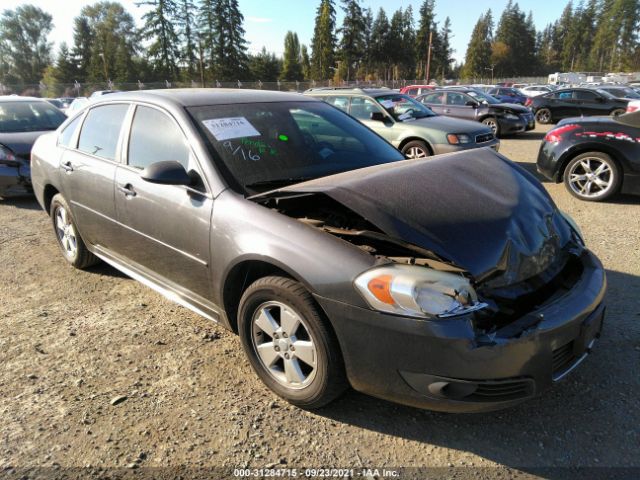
<point>408,125</point>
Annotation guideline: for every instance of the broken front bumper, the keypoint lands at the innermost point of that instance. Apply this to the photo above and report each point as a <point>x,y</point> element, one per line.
<point>15,178</point>
<point>443,365</point>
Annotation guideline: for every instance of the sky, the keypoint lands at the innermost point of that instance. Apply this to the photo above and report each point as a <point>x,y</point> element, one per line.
<point>267,21</point>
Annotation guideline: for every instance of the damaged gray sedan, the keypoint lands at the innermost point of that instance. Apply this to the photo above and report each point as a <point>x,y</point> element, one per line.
<point>452,283</point>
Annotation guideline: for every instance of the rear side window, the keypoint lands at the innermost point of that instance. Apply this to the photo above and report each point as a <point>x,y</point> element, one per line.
<point>155,138</point>
<point>66,135</point>
<point>340,102</point>
<point>434,98</point>
<point>101,130</point>
<point>412,91</point>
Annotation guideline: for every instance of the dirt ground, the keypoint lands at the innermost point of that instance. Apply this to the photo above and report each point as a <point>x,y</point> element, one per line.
<point>72,341</point>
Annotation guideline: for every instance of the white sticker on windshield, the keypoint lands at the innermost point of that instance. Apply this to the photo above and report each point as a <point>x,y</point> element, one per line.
<point>232,127</point>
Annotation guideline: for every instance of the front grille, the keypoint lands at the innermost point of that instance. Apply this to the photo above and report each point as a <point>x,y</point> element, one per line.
<point>483,138</point>
<point>563,358</point>
<point>502,390</point>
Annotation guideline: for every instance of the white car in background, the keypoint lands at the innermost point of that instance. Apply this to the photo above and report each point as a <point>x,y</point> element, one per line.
<point>633,106</point>
<point>535,90</point>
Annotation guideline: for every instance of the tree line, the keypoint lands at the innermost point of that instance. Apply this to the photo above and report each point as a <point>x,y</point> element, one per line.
<point>590,36</point>
<point>204,41</point>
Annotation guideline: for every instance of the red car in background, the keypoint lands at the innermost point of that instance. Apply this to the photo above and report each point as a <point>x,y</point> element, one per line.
<point>416,90</point>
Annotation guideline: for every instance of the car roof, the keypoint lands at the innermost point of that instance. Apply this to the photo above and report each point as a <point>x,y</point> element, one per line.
<point>193,97</point>
<point>372,92</point>
<point>17,98</point>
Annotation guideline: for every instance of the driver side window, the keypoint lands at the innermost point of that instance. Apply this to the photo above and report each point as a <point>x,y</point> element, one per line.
<point>362,108</point>
<point>155,138</point>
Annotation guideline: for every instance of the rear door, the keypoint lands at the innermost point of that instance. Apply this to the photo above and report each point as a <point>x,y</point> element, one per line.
<point>165,228</point>
<point>88,167</point>
<point>436,102</point>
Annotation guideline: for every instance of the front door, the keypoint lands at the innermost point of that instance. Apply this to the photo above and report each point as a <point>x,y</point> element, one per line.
<point>457,106</point>
<point>362,108</point>
<point>165,227</point>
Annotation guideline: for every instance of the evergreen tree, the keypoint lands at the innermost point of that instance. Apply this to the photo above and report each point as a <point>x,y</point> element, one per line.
<point>427,26</point>
<point>446,53</point>
<point>305,62</point>
<point>187,35</point>
<point>291,68</point>
<point>159,28</point>
<point>23,39</point>
<point>513,51</point>
<point>478,56</point>
<point>264,66</point>
<point>366,64</point>
<point>82,45</point>
<point>352,43</point>
<point>323,43</point>
<point>380,50</point>
<point>223,38</point>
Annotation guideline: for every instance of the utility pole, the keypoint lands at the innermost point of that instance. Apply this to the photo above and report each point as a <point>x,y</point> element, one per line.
<point>104,64</point>
<point>428,70</point>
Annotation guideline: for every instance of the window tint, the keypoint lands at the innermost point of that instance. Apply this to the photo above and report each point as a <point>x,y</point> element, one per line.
<point>434,98</point>
<point>362,108</point>
<point>584,95</point>
<point>455,98</point>
<point>155,138</point>
<point>412,91</point>
<point>101,129</point>
<point>340,102</point>
<point>66,135</point>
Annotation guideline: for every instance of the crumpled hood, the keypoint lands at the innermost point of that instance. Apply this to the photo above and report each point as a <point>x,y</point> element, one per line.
<point>474,208</point>
<point>451,125</point>
<point>510,107</point>
<point>21,142</point>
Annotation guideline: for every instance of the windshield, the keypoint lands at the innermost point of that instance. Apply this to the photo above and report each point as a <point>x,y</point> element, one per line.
<point>404,108</point>
<point>264,146</point>
<point>27,116</point>
<point>483,97</point>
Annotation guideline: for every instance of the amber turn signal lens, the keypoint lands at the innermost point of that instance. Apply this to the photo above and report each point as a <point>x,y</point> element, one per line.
<point>380,287</point>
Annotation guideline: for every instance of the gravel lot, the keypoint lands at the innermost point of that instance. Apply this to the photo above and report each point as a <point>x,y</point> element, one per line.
<point>71,342</point>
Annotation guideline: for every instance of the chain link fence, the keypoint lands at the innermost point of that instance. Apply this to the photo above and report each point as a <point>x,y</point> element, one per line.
<point>78,89</point>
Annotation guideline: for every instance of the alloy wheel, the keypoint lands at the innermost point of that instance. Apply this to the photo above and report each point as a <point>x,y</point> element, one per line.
<point>416,152</point>
<point>543,116</point>
<point>284,344</point>
<point>591,177</point>
<point>492,124</point>
<point>66,233</point>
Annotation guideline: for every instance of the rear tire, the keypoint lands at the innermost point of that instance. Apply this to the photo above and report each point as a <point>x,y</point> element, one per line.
<point>543,116</point>
<point>416,149</point>
<point>592,176</point>
<point>71,244</point>
<point>290,344</point>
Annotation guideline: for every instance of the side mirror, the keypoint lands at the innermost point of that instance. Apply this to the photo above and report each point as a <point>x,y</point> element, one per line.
<point>378,116</point>
<point>166,173</point>
<point>471,103</point>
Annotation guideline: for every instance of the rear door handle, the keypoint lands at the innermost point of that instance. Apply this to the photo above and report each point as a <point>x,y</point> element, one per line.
<point>128,190</point>
<point>67,166</point>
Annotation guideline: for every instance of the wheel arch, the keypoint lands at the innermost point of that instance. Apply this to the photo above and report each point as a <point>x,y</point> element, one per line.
<point>244,272</point>
<point>419,139</point>
<point>48,193</point>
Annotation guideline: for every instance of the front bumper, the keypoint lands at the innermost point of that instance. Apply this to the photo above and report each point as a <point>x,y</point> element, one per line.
<point>15,179</point>
<point>447,148</point>
<point>445,365</point>
<point>524,123</point>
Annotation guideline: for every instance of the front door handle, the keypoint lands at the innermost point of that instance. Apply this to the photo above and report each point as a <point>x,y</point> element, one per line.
<point>67,166</point>
<point>128,190</point>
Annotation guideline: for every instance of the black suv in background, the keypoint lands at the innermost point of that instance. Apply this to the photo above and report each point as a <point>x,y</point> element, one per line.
<point>472,104</point>
<point>575,102</point>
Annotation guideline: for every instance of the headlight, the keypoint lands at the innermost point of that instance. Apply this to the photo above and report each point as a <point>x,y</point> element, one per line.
<point>458,138</point>
<point>511,116</point>
<point>7,156</point>
<point>417,291</point>
<point>572,223</point>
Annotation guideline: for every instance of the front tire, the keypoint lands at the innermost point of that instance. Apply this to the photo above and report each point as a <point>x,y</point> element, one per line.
<point>416,149</point>
<point>73,247</point>
<point>543,116</point>
<point>592,176</point>
<point>493,124</point>
<point>617,112</point>
<point>289,343</point>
